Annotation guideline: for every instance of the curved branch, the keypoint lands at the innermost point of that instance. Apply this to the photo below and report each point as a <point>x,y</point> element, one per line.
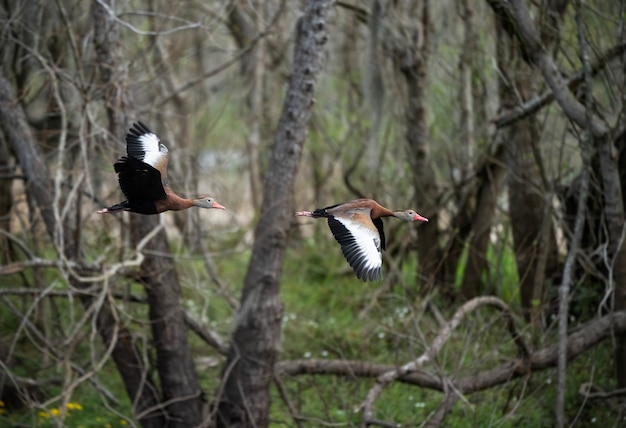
<point>444,334</point>
<point>583,339</point>
<point>516,17</point>
<point>534,105</point>
<point>578,342</point>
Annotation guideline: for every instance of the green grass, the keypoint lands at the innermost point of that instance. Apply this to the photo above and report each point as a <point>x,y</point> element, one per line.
<point>329,314</point>
<point>85,408</point>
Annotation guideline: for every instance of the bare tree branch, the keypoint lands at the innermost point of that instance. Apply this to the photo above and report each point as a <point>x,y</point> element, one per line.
<point>516,13</point>
<point>113,15</point>
<point>573,83</point>
<point>209,336</point>
<point>594,393</point>
<point>433,350</point>
<point>583,339</point>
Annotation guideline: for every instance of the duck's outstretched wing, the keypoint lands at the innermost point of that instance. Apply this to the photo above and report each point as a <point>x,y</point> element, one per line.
<point>139,180</point>
<point>360,243</point>
<point>144,145</point>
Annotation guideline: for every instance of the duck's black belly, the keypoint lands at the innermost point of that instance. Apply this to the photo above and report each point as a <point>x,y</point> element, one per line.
<point>143,206</point>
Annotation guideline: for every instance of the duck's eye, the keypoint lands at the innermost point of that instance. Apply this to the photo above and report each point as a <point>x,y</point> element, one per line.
<point>209,201</point>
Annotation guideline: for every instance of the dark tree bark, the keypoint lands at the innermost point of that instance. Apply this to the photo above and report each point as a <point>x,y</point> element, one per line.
<point>181,393</point>
<point>15,129</point>
<point>491,179</point>
<point>256,338</point>
<point>407,43</point>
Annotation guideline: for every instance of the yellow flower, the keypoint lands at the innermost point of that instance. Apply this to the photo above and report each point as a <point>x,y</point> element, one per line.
<point>55,412</point>
<point>74,406</point>
<point>107,426</point>
<point>123,422</point>
<point>43,414</point>
<point>1,403</point>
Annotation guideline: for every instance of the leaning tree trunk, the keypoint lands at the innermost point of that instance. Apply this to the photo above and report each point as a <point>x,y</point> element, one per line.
<point>244,30</point>
<point>491,179</point>
<point>249,368</point>
<point>180,390</point>
<point>515,13</point>
<point>409,50</point>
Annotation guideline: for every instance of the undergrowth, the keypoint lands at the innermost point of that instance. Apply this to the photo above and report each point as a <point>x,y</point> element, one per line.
<point>329,314</point>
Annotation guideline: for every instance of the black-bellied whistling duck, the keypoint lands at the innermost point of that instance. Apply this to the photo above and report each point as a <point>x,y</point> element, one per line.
<point>358,227</point>
<point>143,177</point>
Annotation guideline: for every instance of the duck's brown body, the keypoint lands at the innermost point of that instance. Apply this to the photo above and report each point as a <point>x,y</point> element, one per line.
<point>143,178</point>
<point>358,227</point>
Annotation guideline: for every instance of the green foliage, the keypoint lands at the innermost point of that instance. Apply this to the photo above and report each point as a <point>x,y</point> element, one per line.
<point>85,408</point>
<point>501,279</point>
<point>331,315</point>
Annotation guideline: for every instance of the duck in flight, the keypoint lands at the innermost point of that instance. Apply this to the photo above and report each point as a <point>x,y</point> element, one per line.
<point>358,227</point>
<point>143,177</point>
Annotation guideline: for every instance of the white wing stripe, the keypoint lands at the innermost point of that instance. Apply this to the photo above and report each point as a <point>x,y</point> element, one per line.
<point>367,241</point>
<point>150,145</point>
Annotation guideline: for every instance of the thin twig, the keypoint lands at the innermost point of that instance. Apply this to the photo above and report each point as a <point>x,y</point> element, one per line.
<point>593,392</point>
<point>282,392</point>
<point>564,289</point>
<point>54,351</point>
<point>111,12</point>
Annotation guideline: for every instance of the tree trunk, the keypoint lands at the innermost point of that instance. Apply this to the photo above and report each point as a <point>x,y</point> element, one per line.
<point>244,29</point>
<point>140,386</point>
<point>180,390</point>
<point>19,136</point>
<point>491,181</point>
<point>410,54</point>
<point>256,338</point>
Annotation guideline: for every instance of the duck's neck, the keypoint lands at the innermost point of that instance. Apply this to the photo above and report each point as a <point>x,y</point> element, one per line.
<point>178,203</point>
<point>380,211</point>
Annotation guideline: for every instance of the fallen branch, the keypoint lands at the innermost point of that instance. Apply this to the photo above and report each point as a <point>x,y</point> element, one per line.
<point>583,339</point>
<point>444,334</point>
<point>588,390</point>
